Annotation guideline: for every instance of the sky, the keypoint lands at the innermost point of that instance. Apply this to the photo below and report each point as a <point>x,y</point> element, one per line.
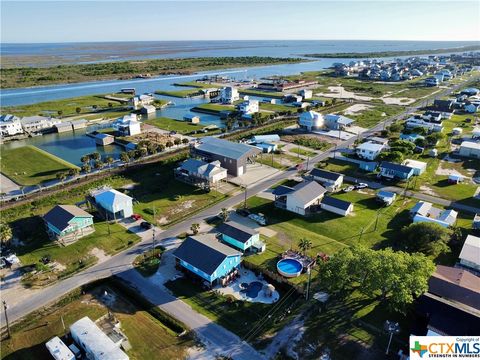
<point>77,21</point>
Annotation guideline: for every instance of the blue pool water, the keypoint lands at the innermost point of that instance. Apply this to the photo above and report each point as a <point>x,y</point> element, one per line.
<point>289,266</point>
<point>253,289</point>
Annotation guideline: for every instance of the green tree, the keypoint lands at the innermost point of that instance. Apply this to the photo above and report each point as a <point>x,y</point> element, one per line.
<point>98,164</point>
<point>224,214</point>
<point>62,175</point>
<point>60,113</point>
<point>78,110</point>
<point>195,228</point>
<point>124,157</point>
<point>95,156</point>
<point>393,156</point>
<point>85,159</point>
<point>86,168</point>
<point>161,147</point>
<point>304,244</point>
<point>435,137</point>
<point>73,171</point>
<point>428,238</point>
<point>109,160</point>
<point>169,144</point>
<point>6,234</point>
<point>94,107</point>
<point>185,141</point>
<point>177,141</point>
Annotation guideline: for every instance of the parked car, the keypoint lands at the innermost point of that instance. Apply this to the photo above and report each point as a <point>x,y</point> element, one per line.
<point>146,225</point>
<point>361,186</point>
<point>136,217</point>
<point>258,218</point>
<point>348,189</point>
<point>243,212</point>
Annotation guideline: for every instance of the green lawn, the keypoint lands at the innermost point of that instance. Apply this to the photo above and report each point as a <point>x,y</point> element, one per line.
<point>180,126</point>
<point>111,238</point>
<point>372,116</point>
<point>276,107</point>
<point>216,107</point>
<point>179,93</point>
<point>237,316</point>
<point>149,337</point>
<point>303,152</point>
<point>267,94</point>
<point>68,107</point>
<point>29,165</point>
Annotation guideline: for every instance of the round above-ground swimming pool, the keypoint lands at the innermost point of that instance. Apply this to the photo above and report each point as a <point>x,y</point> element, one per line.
<point>289,267</point>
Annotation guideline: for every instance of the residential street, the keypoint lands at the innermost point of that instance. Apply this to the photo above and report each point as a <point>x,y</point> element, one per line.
<point>216,337</point>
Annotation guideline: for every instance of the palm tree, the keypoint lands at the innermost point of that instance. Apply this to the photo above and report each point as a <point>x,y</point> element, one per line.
<point>6,234</point>
<point>195,228</point>
<point>95,156</point>
<point>109,160</point>
<point>224,214</point>
<point>98,164</point>
<point>85,159</point>
<point>78,110</point>
<point>304,245</point>
<point>86,168</point>
<point>61,176</point>
<point>161,147</point>
<point>73,171</point>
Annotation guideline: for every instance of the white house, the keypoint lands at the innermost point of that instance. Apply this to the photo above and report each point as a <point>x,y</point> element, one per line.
<point>306,94</point>
<point>311,120</point>
<point>300,199</point>
<point>336,206</point>
<point>331,180</point>
<point>96,344</point>
<point>386,197</point>
<point>196,171</point>
<point>418,167</point>
<point>229,94</point>
<point>10,125</point>
<point>139,101</point>
<point>112,203</point>
<point>424,211</point>
<point>249,107</point>
<point>369,150</point>
<point>38,123</point>
<point>148,109</point>
<point>128,125</point>
<point>418,121</point>
<point>470,254</point>
<point>469,149</point>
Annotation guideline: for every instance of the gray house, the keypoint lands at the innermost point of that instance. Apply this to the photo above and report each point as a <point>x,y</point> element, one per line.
<point>232,156</point>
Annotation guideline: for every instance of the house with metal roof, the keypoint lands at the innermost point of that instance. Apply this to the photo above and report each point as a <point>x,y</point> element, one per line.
<point>336,206</point>
<point>301,199</point>
<point>96,344</point>
<point>337,122</point>
<point>470,254</point>
<point>470,149</point>
<point>386,197</point>
<point>240,236</point>
<point>418,167</point>
<point>200,173</point>
<point>369,150</point>
<point>111,204</point>
<point>232,156</point>
<point>68,223</point>
<point>205,258</point>
<point>330,180</point>
<point>59,351</point>
<point>395,171</point>
<point>424,211</point>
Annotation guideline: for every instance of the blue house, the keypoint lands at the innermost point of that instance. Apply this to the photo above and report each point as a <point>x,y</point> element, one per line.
<point>68,223</point>
<point>395,171</point>
<point>112,204</point>
<point>205,258</point>
<point>240,236</point>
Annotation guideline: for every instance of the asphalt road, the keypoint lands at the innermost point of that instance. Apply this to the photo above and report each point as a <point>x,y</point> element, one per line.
<point>120,264</point>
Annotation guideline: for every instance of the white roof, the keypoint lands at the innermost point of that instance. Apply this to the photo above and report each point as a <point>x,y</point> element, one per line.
<point>59,350</point>
<point>370,146</point>
<point>97,342</point>
<point>110,196</point>
<point>448,216</point>
<point>415,164</point>
<point>470,145</point>
<point>471,250</point>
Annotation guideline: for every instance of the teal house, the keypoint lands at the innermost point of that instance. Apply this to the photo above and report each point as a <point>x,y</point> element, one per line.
<point>240,236</point>
<point>68,223</point>
<point>204,258</point>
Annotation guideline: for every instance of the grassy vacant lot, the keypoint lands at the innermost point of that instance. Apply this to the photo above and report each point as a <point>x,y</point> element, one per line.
<point>277,107</point>
<point>372,116</point>
<point>302,152</point>
<point>149,337</point>
<point>109,238</point>
<point>68,107</point>
<point>267,94</point>
<point>179,93</point>
<point>216,107</point>
<point>238,316</point>
<point>182,127</point>
<point>29,165</point>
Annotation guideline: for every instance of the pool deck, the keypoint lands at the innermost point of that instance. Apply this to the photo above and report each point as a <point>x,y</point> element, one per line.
<point>248,276</point>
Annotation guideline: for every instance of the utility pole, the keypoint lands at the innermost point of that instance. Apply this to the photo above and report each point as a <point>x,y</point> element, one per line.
<point>153,242</point>
<point>6,318</point>
<point>245,201</point>
<point>309,271</point>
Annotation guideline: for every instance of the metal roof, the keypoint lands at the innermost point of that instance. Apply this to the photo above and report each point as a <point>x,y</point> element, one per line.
<point>471,249</point>
<point>325,174</point>
<point>236,231</point>
<point>61,215</point>
<point>204,252</point>
<point>282,190</point>
<point>339,119</point>
<point>226,148</point>
<point>370,146</point>
<point>421,208</point>
<point>308,191</point>
<point>339,204</point>
<point>110,196</point>
<point>386,194</point>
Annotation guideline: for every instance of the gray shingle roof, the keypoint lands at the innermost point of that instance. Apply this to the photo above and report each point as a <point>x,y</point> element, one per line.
<point>308,191</point>
<point>396,167</point>
<point>204,252</point>
<point>339,204</point>
<point>325,174</point>
<point>226,148</point>
<point>61,215</point>
<point>236,231</point>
